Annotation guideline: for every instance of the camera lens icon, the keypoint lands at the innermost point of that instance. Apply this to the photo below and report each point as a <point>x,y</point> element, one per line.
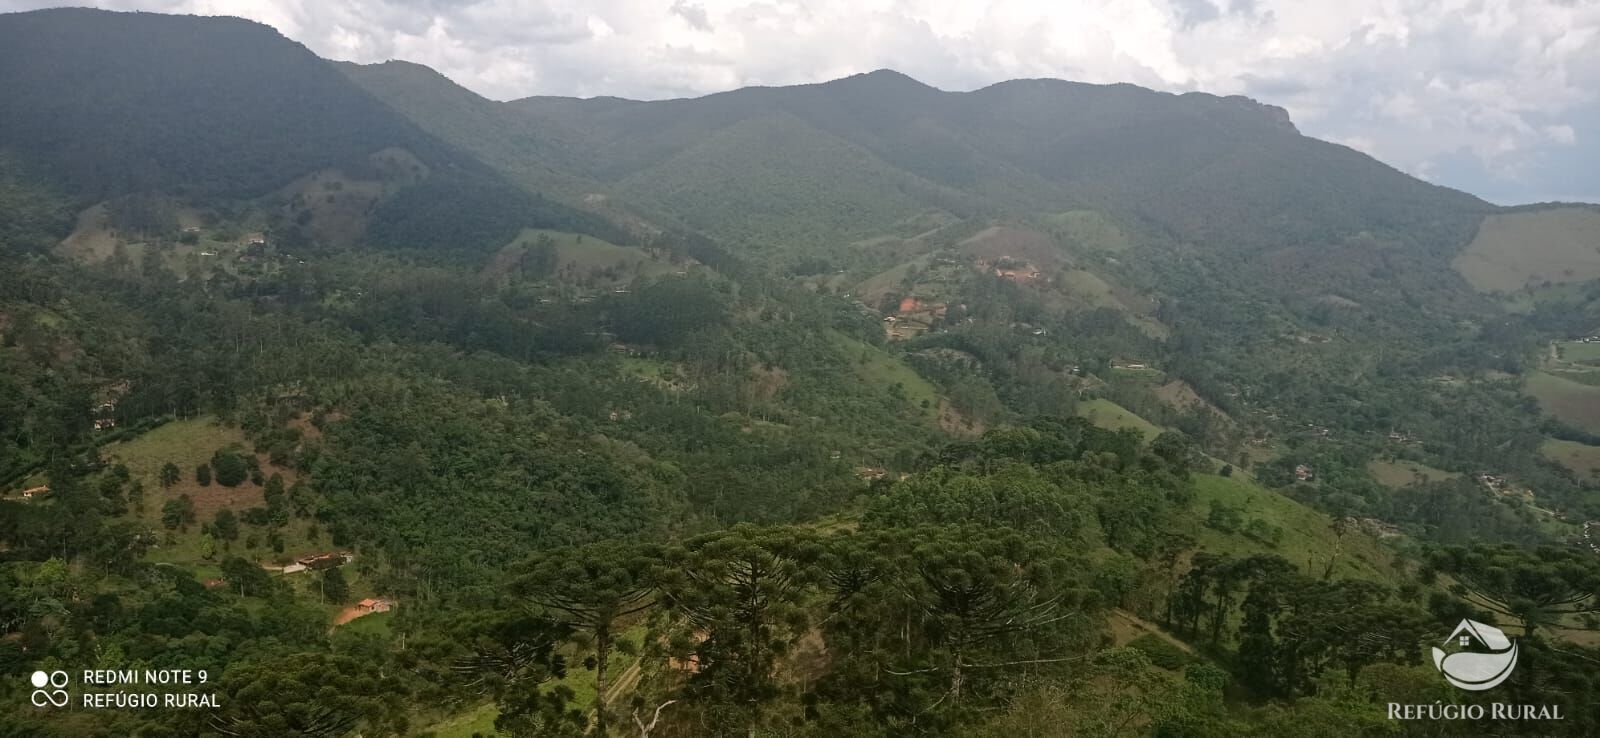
<point>48,689</point>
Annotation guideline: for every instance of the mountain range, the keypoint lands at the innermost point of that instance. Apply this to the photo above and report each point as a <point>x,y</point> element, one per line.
<point>852,408</point>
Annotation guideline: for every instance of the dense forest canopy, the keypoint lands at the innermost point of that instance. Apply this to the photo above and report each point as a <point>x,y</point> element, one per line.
<point>861,408</point>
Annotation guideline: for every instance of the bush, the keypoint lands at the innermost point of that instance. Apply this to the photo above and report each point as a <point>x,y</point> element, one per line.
<point>231,468</point>
<point>1162,653</point>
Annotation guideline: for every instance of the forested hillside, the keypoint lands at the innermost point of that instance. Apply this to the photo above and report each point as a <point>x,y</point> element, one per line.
<point>209,110</point>
<point>851,409</point>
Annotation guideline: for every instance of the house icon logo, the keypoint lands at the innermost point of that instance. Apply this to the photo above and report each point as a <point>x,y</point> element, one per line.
<point>1490,662</point>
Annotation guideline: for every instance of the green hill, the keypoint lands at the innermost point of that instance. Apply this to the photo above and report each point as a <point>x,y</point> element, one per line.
<point>1228,172</point>
<point>111,103</point>
<point>213,110</point>
<point>775,182</point>
<point>535,154</point>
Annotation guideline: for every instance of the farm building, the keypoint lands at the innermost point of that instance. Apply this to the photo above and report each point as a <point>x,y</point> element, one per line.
<point>870,472</point>
<point>33,492</point>
<point>325,560</point>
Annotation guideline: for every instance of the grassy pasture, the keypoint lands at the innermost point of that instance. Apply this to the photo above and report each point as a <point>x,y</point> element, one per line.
<point>582,259</point>
<point>374,624</point>
<point>1513,250</point>
<point>872,289</point>
<point>1308,536</point>
<point>1089,289</point>
<point>1085,290</point>
<point>998,242</point>
<point>1087,229</point>
<point>1582,459</point>
<point>1579,352</point>
<point>188,444</point>
<point>1574,403</point>
<point>1107,414</point>
<point>1399,473</point>
<point>477,721</point>
<point>1180,396</point>
<point>882,369</point>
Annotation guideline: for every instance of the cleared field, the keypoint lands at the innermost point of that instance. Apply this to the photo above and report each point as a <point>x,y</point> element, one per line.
<point>91,239</point>
<point>1180,396</point>
<point>1081,289</point>
<point>1574,403</point>
<point>188,444</point>
<point>880,368</point>
<point>1110,415</point>
<point>872,289</point>
<point>1308,537</point>
<point>478,721</point>
<point>1582,459</point>
<point>998,242</point>
<point>1090,289</point>
<point>1579,352</point>
<point>376,623</point>
<point>334,205</point>
<point>1146,375</point>
<point>1513,250</point>
<point>1087,229</point>
<point>1528,299</point>
<point>582,259</point>
<point>1400,473</point>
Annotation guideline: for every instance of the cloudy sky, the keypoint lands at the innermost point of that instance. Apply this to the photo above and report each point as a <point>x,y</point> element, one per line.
<point>1496,97</point>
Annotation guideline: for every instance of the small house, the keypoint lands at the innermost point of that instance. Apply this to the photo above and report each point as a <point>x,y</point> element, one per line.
<point>1303,473</point>
<point>375,604</point>
<point>33,492</point>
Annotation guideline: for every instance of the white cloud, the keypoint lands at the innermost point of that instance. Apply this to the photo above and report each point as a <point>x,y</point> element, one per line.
<point>1561,134</point>
<point>1471,91</point>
